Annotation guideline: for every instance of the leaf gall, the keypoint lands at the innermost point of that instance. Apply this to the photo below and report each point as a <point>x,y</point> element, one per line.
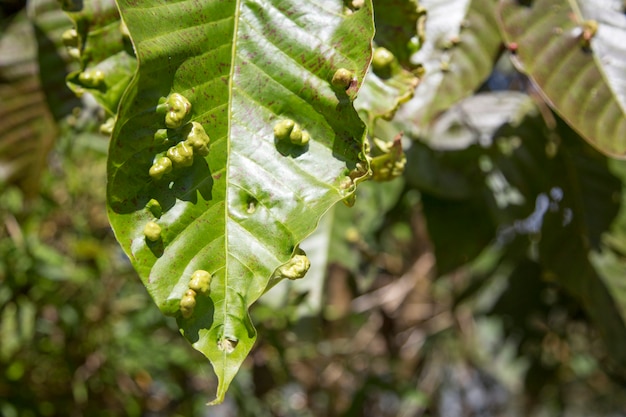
<point>200,281</point>
<point>590,27</point>
<point>181,155</point>
<point>188,303</point>
<point>152,231</point>
<point>70,38</point>
<point>178,108</point>
<point>283,129</point>
<point>296,267</point>
<point>303,140</point>
<point>92,78</point>
<point>161,167</point>
<point>198,139</point>
<point>382,61</point>
<point>295,136</point>
<point>342,78</point>
<point>155,208</point>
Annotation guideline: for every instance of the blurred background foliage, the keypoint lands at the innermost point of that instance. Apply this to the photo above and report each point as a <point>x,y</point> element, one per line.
<point>487,281</point>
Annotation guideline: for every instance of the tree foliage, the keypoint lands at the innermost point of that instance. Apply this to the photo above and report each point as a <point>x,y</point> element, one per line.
<point>489,131</point>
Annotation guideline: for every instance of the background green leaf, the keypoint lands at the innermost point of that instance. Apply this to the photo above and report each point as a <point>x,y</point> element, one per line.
<point>462,42</point>
<point>101,45</point>
<point>49,23</point>
<point>583,81</point>
<point>240,212</point>
<point>550,221</point>
<point>399,28</point>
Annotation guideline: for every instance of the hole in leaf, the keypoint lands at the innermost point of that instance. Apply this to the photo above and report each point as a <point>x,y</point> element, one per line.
<point>227,345</point>
<point>251,205</point>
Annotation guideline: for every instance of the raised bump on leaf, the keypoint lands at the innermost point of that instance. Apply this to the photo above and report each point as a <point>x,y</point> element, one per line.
<point>92,78</point>
<point>296,267</point>
<point>390,164</point>
<point>70,38</point>
<point>289,130</point>
<point>181,155</point>
<point>155,208</point>
<point>342,78</point>
<point>188,303</point>
<point>178,109</point>
<point>303,140</point>
<point>346,184</point>
<point>590,27</point>
<point>160,136</point>
<point>152,231</point>
<point>356,4</point>
<point>361,171</point>
<point>161,167</point>
<point>197,138</point>
<point>283,128</point>
<point>106,128</point>
<point>296,134</point>
<point>200,281</point>
<point>382,61</point>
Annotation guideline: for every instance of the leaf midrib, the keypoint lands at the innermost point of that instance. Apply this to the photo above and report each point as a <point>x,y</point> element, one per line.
<point>231,77</point>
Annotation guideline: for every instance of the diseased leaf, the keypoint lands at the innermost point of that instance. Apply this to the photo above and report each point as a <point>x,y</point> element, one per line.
<point>392,78</point>
<point>239,212</point>
<point>100,44</point>
<point>399,27</point>
<point>307,292</point>
<point>49,23</point>
<point>381,98</point>
<point>576,54</point>
<point>462,43</point>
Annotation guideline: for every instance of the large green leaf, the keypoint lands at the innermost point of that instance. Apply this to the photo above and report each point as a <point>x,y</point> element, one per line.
<point>240,212</point>
<point>576,53</point>
<point>461,46</point>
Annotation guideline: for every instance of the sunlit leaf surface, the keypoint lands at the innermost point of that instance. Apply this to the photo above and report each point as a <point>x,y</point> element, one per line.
<point>240,211</point>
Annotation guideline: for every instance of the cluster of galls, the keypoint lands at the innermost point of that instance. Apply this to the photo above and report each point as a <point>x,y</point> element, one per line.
<point>288,130</point>
<point>92,78</point>
<point>390,163</point>
<point>200,283</point>
<point>177,109</point>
